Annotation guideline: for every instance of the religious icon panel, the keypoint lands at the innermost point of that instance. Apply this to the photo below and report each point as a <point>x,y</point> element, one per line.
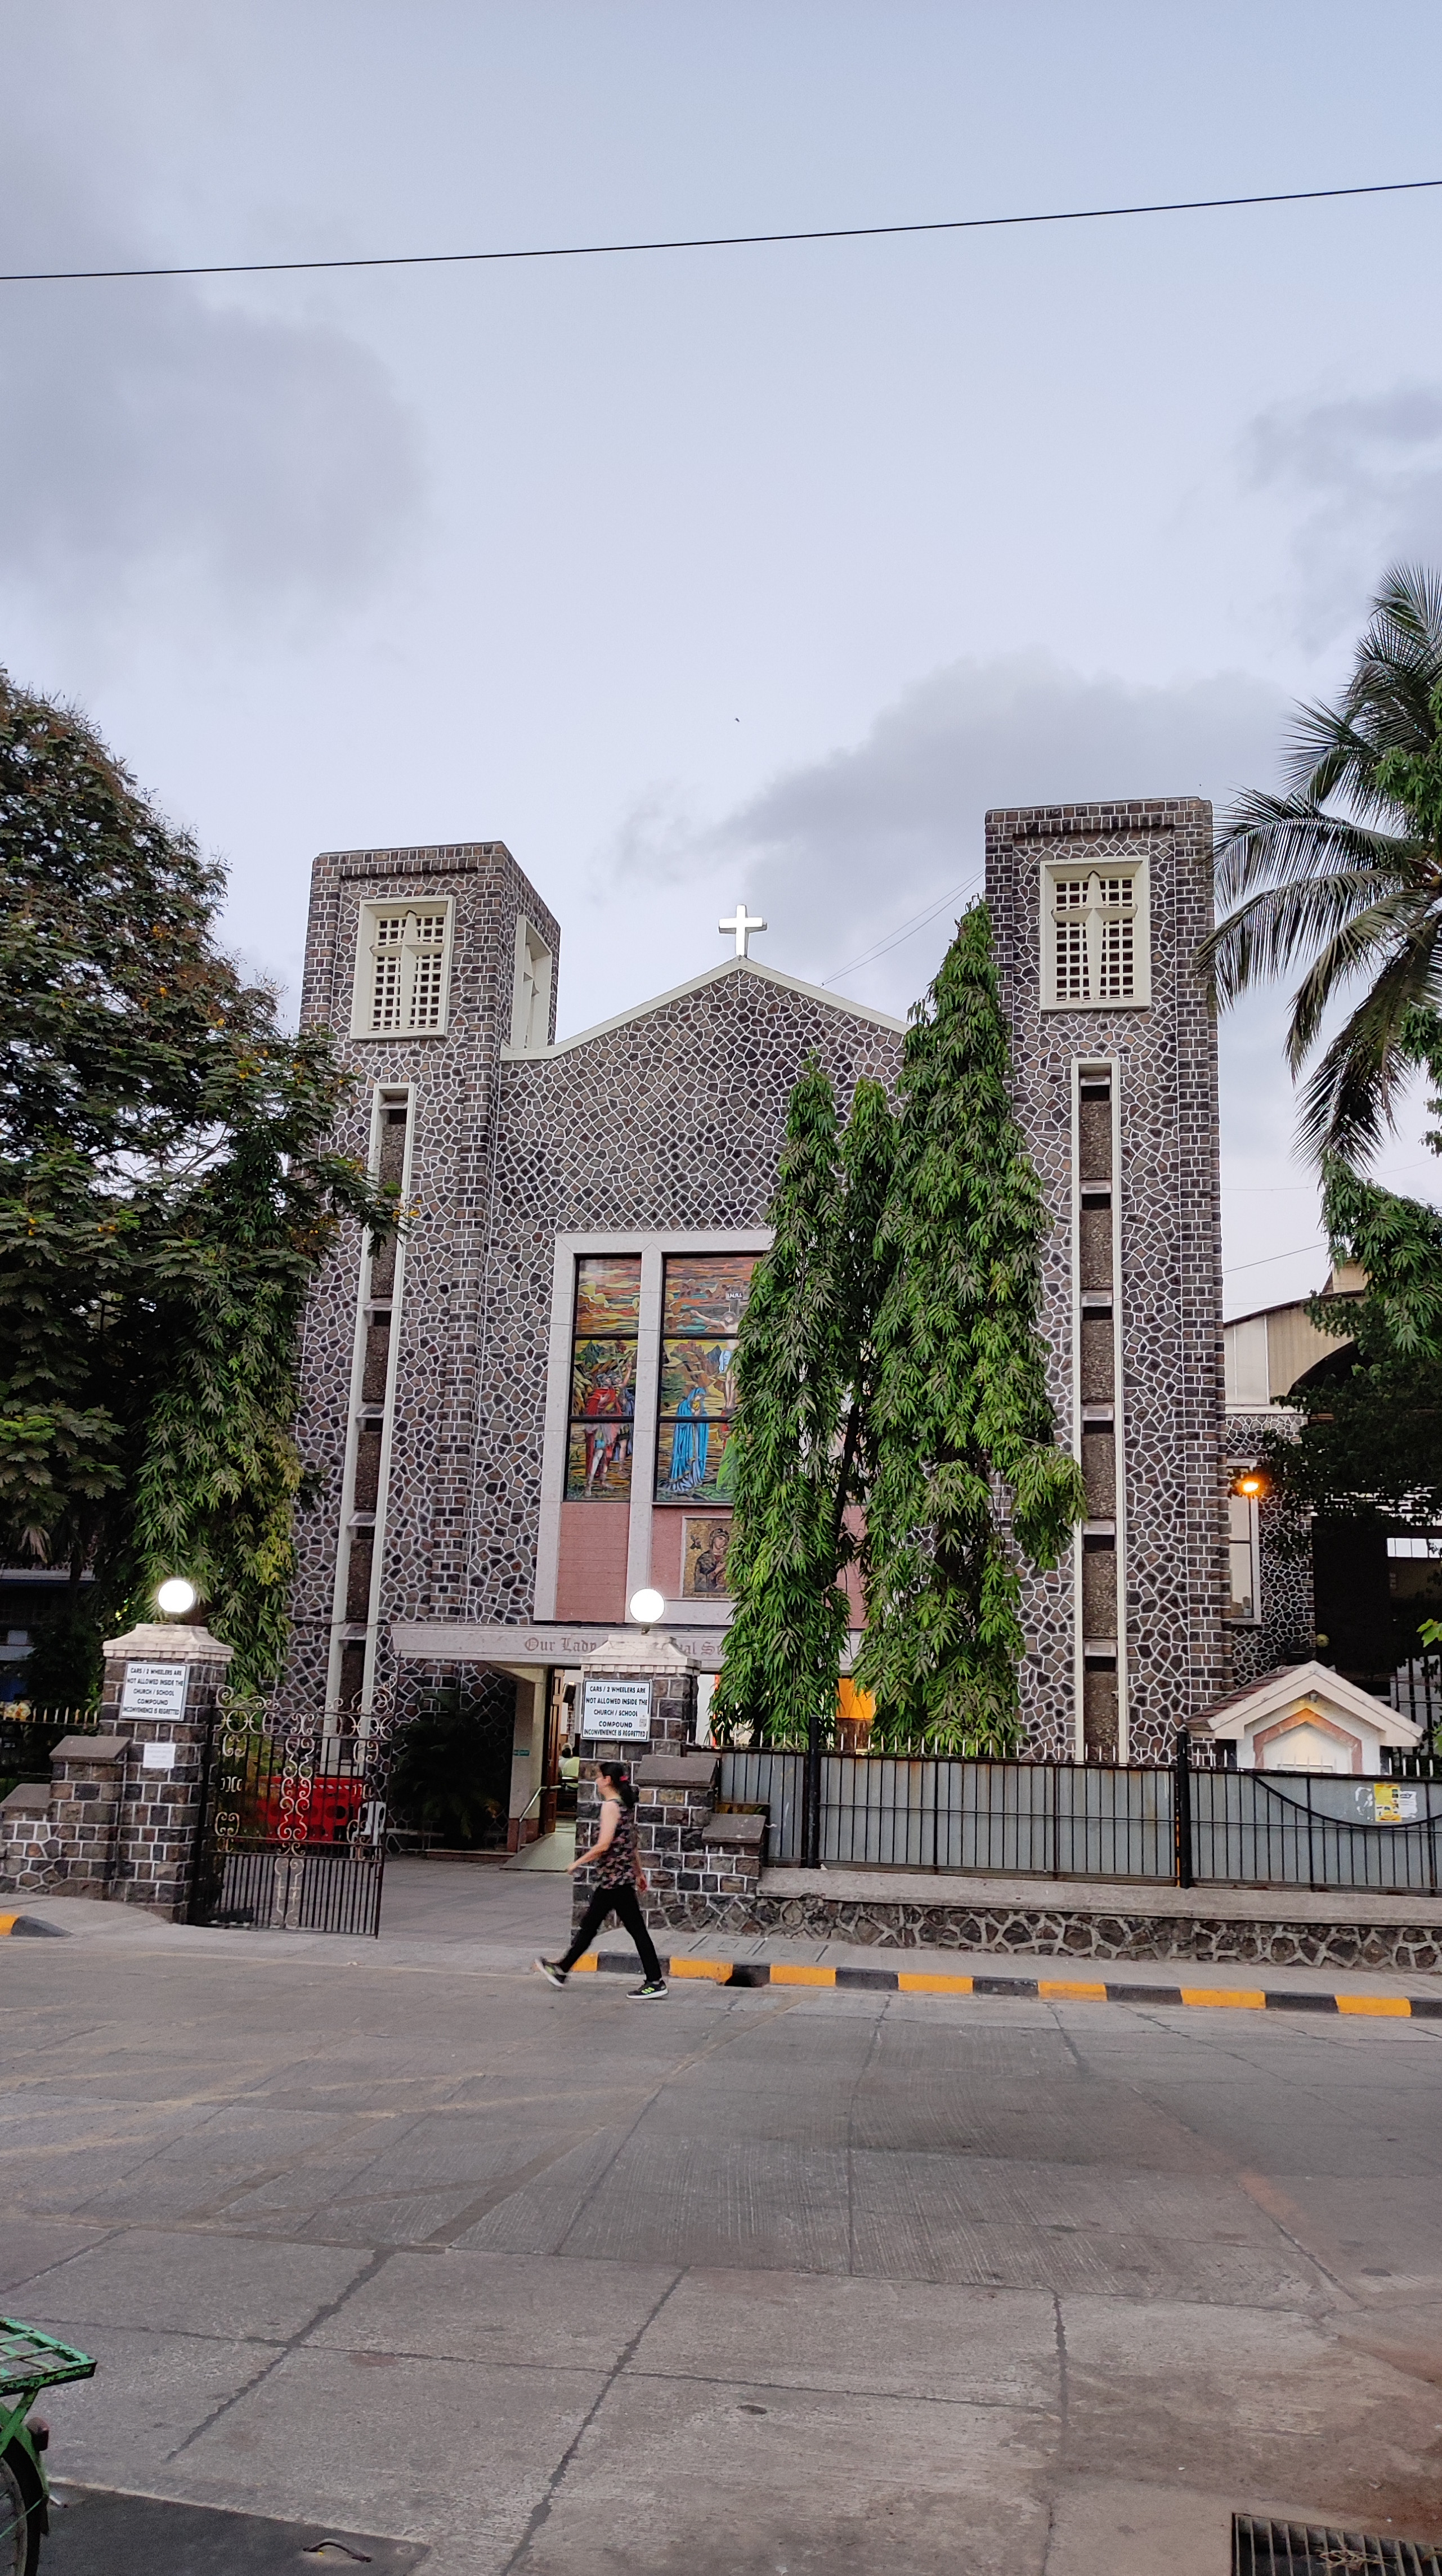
<point>707,1292</point>
<point>603,1378</point>
<point>692,1456</point>
<point>608,1294</point>
<point>703,1559</point>
<point>598,1462</point>
<point>702,1305</point>
<point>698,1362</point>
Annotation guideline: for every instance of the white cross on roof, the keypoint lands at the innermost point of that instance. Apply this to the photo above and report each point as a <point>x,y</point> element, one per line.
<point>743,923</point>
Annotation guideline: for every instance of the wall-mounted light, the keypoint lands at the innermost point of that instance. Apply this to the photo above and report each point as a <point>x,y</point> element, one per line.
<point>1252,1485</point>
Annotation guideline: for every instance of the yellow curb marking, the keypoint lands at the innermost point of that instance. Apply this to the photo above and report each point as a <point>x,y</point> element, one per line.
<point>1077,1994</point>
<point>589,1961</point>
<point>911,1982</point>
<point>718,1970</point>
<point>1243,1998</point>
<point>8,1922</point>
<point>783,1974</point>
<point>1394,2004</point>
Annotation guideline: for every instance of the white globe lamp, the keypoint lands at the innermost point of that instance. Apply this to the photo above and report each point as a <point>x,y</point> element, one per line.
<point>176,1596</point>
<point>647,1607</point>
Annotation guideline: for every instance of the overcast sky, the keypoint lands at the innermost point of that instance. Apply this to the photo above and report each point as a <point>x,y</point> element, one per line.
<point>693,575</point>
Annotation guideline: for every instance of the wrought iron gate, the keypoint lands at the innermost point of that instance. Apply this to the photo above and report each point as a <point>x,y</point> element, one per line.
<point>293,1826</point>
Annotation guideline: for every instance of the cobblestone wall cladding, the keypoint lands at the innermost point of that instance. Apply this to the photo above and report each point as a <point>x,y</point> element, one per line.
<point>1055,1931</point>
<point>457,1079</point>
<point>1171,1252</point>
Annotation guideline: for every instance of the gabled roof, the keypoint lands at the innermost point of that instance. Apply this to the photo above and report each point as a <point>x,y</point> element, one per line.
<point>1275,1692</point>
<point>697,984</point>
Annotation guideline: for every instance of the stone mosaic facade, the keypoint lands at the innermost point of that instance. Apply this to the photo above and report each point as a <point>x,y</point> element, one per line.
<point>671,1120</point>
<point>1171,1532</point>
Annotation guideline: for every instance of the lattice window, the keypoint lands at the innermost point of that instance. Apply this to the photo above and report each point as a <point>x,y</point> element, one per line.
<point>403,970</point>
<point>1095,938</point>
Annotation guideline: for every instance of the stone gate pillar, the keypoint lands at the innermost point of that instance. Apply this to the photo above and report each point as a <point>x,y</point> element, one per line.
<point>162,1686</point>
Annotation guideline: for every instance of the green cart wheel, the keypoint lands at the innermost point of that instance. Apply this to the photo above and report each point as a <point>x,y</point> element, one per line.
<point>22,2514</point>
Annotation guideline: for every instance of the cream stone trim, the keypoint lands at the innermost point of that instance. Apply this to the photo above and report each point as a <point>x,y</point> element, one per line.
<point>697,983</point>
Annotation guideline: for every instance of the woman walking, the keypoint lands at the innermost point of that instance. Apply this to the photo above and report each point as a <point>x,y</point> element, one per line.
<point>619,1875</point>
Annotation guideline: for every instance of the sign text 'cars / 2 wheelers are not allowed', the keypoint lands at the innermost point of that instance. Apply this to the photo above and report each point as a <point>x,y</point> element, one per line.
<point>616,1712</point>
<point>154,1690</point>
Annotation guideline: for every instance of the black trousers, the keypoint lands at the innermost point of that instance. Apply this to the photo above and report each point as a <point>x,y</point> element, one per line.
<point>625,1904</point>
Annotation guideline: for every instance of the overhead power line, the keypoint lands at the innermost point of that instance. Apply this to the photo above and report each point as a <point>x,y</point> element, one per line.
<point>715,241</point>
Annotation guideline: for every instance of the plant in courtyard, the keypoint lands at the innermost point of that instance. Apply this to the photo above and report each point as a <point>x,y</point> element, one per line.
<point>167,1197</point>
<point>800,1444</point>
<point>960,1414</point>
<point>1344,870</point>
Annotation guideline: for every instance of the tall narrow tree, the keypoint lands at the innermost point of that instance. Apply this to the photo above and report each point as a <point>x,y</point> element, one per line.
<point>961,1414</point>
<point>800,1441</point>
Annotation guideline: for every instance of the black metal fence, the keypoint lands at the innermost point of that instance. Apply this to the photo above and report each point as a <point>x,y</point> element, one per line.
<point>293,1828</point>
<point>1195,1822</point>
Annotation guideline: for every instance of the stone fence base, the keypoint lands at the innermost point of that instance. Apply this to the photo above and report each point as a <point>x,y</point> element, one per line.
<point>1073,1919</point>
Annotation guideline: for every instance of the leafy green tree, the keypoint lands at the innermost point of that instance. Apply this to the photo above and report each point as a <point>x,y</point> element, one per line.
<point>960,1413</point>
<point>1344,870</point>
<point>1369,1443</point>
<point>167,1196</point>
<point>800,1443</point>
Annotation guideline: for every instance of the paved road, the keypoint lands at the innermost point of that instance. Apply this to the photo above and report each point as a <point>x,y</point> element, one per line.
<point>778,2283</point>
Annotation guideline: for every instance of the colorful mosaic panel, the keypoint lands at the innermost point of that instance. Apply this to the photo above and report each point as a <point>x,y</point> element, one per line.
<point>707,1292</point>
<point>603,1378</point>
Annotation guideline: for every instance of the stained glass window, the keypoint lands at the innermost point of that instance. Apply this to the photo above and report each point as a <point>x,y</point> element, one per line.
<point>704,1300</point>
<point>603,1378</point>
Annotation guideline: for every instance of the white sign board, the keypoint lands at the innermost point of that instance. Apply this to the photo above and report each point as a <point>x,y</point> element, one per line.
<point>616,1711</point>
<point>157,1757</point>
<point>154,1690</point>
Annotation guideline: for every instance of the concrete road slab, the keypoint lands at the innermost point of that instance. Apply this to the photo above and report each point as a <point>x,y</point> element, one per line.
<point>891,2338</point>
<point>736,2479</point>
<point>150,2392</point>
<point>1230,2399</point>
<point>29,2246</point>
<point>767,2205</point>
<point>196,2284</point>
<point>527,2310</point>
<point>1114,2527</point>
<point>412,2447</point>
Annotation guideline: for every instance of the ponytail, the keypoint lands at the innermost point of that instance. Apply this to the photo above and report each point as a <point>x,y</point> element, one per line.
<point>615,1773</point>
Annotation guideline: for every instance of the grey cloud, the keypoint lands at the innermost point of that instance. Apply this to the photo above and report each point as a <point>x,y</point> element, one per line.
<point>840,852</point>
<point>152,435</point>
<point>1368,477</point>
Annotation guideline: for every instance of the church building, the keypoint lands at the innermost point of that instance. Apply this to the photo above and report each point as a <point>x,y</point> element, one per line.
<point>519,1413</point>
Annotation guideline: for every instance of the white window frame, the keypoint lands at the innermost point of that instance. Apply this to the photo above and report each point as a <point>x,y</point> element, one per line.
<point>1093,915</point>
<point>531,990</point>
<point>1240,1508</point>
<point>411,954</point>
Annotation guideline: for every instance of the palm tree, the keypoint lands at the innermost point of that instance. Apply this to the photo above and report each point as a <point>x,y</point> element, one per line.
<point>1347,867</point>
